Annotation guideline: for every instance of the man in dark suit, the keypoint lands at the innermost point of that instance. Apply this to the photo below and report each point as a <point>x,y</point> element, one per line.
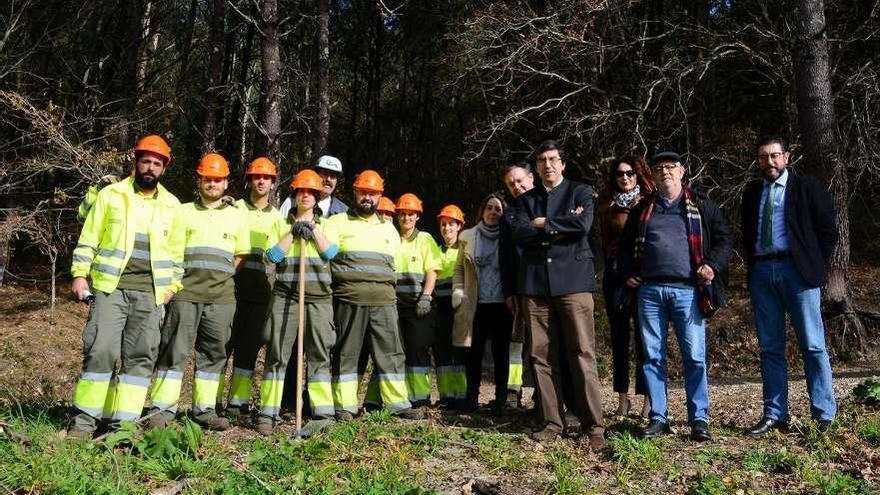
<point>555,276</point>
<point>789,233</point>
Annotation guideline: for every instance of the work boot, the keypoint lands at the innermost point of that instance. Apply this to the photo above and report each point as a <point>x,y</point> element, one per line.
<point>264,425</point>
<point>597,443</point>
<point>237,412</point>
<point>159,420</point>
<point>343,415</point>
<point>513,400</point>
<point>411,413</point>
<point>211,421</point>
<point>75,433</point>
<point>316,426</point>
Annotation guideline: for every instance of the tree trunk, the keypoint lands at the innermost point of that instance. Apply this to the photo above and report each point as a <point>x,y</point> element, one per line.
<point>322,72</point>
<point>819,138</point>
<point>216,45</point>
<point>270,113</point>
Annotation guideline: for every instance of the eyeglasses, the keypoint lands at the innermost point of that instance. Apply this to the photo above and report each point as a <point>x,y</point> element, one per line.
<point>664,167</point>
<point>770,156</point>
<point>552,159</point>
<point>624,173</point>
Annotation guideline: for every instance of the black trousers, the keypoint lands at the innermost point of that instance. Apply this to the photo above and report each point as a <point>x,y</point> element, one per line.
<point>624,325</point>
<point>494,322</point>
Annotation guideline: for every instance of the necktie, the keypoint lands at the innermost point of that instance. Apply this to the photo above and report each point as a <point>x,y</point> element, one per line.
<point>767,222</point>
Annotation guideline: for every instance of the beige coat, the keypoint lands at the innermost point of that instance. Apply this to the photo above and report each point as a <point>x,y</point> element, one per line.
<point>465,280</point>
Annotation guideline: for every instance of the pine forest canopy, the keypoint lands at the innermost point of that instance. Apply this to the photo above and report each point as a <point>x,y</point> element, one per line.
<point>437,96</point>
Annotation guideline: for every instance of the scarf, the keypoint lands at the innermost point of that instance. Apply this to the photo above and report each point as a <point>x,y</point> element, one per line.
<point>695,243</point>
<point>624,199</point>
<point>486,233</point>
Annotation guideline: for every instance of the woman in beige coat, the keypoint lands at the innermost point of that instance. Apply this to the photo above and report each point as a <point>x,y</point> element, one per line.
<point>480,312</point>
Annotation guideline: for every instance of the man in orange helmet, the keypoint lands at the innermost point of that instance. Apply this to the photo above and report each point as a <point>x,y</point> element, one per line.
<point>365,303</point>
<point>127,251</point>
<point>386,209</point>
<point>202,313</point>
<point>253,284</point>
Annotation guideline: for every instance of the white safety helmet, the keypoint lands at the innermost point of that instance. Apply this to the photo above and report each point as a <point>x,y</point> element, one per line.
<point>330,163</point>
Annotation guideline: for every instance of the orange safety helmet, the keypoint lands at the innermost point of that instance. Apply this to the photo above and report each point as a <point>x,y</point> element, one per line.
<point>386,206</point>
<point>307,179</point>
<point>409,202</point>
<point>213,165</point>
<point>369,180</point>
<point>154,144</point>
<point>262,166</point>
<point>452,212</point>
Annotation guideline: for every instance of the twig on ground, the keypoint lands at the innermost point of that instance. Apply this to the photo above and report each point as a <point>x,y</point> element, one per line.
<point>244,468</point>
<point>6,430</point>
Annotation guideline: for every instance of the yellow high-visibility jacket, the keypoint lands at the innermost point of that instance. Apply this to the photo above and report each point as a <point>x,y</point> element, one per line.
<point>416,257</point>
<point>107,239</point>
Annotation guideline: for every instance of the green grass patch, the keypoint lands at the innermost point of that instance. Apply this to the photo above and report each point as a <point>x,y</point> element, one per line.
<point>708,484</point>
<point>769,461</point>
<point>566,477</point>
<point>868,392</point>
<point>635,454</point>
<point>501,452</point>
<point>869,431</point>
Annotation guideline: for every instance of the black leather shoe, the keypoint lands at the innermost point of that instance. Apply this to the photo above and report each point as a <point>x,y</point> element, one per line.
<point>823,425</point>
<point>765,425</point>
<point>700,431</point>
<point>655,428</point>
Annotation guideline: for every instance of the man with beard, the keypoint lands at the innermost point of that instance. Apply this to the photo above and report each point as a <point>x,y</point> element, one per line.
<point>329,168</point>
<point>365,303</point>
<point>127,249</point>
<point>215,242</point>
<point>789,233</point>
<point>253,287</point>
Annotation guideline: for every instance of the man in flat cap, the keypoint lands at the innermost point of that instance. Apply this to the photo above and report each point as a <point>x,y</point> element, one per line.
<point>675,248</point>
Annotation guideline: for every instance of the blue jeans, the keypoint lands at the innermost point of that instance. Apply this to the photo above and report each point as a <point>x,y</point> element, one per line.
<point>777,288</point>
<point>658,305</point>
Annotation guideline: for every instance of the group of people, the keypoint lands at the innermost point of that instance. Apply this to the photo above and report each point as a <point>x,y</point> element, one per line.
<point>229,278</point>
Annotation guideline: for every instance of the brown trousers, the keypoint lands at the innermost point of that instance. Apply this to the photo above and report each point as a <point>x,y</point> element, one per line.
<point>565,324</point>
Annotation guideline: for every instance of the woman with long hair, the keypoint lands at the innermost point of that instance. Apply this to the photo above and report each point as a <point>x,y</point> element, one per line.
<point>628,181</point>
<point>480,311</point>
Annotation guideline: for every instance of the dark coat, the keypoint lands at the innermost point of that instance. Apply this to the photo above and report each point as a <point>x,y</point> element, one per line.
<point>557,259</point>
<point>809,220</point>
<point>717,241</point>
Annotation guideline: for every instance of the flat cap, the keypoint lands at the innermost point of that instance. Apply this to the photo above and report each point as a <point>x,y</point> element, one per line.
<point>665,156</point>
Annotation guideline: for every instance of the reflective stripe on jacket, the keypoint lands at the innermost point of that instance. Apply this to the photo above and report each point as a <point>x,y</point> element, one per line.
<point>108,234</point>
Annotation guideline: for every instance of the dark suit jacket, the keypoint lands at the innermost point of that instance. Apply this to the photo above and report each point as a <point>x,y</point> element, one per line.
<point>717,241</point>
<point>809,221</point>
<point>557,259</point>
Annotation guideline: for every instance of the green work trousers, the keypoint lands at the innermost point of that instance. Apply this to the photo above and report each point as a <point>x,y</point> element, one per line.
<point>208,326</point>
<point>250,332</point>
<point>419,337</point>
<point>122,325</point>
<point>320,337</point>
<point>376,325</point>
<point>451,378</point>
